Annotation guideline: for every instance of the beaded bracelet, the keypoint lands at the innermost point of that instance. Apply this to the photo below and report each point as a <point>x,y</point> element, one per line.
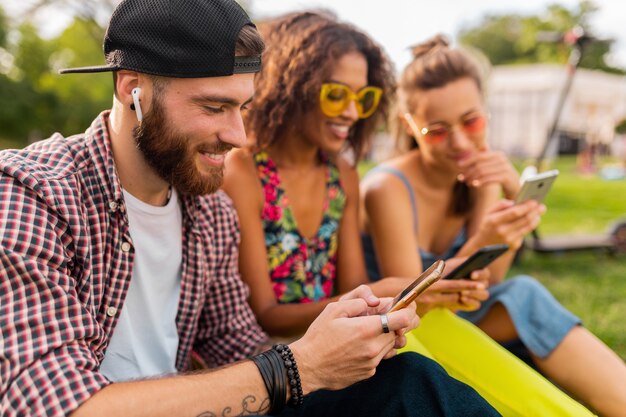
<point>278,367</point>
<point>297,397</point>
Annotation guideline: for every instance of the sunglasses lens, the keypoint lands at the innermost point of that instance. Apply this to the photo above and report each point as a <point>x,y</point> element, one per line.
<point>334,99</point>
<point>471,126</point>
<point>437,135</point>
<point>369,98</point>
<point>474,124</point>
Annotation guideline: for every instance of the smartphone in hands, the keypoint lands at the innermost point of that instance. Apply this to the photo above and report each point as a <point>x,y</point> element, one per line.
<point>425,280</point>
<point>478,260</point>
<point>536,187</point>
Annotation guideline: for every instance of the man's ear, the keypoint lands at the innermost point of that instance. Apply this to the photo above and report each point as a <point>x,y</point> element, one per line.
<point>130,92</point>
<point>125,81</point>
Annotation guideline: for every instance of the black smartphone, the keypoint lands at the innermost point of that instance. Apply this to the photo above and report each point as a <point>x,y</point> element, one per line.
<point>478,260</point>
<point>425,280</point>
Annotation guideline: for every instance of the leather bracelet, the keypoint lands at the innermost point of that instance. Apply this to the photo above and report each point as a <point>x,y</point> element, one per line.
<point>280,383</point>
<point>278,394</point>
<point>262,363</point>
<point>293,376</point>
<point>273,374</point>
<point>266,372</point>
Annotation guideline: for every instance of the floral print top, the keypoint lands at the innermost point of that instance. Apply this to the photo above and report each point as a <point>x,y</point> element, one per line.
<point>302,270</point>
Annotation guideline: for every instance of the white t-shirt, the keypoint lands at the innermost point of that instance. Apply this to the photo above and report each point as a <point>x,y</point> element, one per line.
<point>145,340</point>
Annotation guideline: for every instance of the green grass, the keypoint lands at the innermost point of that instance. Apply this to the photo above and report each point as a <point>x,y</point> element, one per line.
<point>582,204</point>
<point>591,285</point>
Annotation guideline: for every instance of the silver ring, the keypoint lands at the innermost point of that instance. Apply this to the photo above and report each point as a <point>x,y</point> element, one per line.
<point>385,322</point>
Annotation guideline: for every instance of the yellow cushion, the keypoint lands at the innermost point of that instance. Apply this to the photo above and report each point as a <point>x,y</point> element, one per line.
<point>469,355</point>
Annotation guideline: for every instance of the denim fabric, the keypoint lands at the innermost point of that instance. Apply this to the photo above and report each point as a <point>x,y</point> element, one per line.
<point>540,320</point>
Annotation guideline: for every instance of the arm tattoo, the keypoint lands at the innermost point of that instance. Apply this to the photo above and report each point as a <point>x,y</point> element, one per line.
<point>247,407</point>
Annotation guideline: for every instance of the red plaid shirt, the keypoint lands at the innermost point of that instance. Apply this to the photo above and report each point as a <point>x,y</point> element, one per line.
<point>66,261</point>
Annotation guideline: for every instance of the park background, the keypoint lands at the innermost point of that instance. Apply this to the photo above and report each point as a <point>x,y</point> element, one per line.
<point>38,37</point>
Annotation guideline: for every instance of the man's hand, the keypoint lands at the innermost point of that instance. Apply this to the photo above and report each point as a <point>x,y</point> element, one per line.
<point>346,342</point>
<point>378,306</point>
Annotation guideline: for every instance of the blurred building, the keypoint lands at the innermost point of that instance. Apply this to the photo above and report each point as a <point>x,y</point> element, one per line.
<point>522,102</point>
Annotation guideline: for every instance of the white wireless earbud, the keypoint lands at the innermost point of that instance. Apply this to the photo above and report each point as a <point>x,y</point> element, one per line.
<point>135,93</point>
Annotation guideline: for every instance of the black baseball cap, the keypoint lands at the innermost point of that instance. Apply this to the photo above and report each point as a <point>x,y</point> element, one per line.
<point>175,38</point>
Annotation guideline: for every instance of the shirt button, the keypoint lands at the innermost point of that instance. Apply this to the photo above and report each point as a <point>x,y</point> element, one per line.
<point>111,311</point>
<point>125,247</point>
<point>113,205</point>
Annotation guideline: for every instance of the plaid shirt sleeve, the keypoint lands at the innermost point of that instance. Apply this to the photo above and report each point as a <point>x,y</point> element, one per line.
<point>46,365</point>
<point>228,329</point>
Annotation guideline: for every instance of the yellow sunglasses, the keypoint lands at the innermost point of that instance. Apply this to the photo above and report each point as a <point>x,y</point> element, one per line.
<point>335,99</point>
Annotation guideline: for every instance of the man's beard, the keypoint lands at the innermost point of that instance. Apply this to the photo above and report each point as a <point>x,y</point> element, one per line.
<point>168,152</point>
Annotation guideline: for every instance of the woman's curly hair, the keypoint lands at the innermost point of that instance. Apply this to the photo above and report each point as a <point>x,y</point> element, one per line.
<point>302,49</point>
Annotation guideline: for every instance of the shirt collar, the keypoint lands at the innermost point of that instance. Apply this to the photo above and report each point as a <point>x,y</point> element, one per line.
<point>98,142</point>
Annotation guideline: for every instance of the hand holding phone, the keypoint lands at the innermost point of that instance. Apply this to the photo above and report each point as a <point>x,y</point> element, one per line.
<point>537,186</point>
<point>478,260</point>
<point>425,280</point>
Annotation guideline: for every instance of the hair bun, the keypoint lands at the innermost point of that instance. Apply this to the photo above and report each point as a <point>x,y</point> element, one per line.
<point>434,43</point>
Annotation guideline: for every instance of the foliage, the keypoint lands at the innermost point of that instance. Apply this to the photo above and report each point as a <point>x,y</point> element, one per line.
<point>621,127</point>
<point>36,100</point>
<point>3,28</point>
<point>515,38</point>
<point>83,95</point>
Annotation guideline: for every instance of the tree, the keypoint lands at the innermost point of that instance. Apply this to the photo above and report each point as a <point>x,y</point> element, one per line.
<point>514,38</point>
<point>82,96</point>
<point>36,100</point>
<point>4,28</point>
<point>88,10</point>
<point>20,102</point>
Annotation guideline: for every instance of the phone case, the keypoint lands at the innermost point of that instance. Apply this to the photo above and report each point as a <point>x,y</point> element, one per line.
<point>478,260</point>
<point>537,187</point>
<point>425,280</point>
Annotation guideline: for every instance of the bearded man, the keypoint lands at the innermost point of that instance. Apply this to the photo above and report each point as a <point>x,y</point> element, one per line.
<point>118,255</point>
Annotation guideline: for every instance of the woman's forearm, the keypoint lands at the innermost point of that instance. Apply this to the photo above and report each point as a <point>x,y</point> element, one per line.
<point>289,320</point>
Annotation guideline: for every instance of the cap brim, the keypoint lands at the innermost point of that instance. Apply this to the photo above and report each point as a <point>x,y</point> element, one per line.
<point>243,65</point>
<point>98,68</point>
